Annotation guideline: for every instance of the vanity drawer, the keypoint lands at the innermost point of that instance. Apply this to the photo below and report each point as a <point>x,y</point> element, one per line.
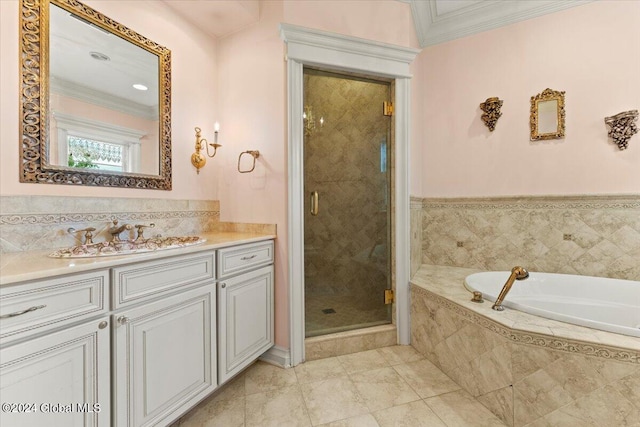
<point>39,306</point>
<point>241,258</point>
<point>138,282</point>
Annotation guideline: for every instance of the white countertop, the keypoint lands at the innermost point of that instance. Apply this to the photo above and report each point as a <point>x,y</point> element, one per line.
<point>448,282</point>
<point>16,267</point>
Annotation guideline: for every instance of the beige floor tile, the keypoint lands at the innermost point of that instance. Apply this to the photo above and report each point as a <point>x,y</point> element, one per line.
<point>319,370</point>
<point>231,390</point>
<point>332,400</point>
<point>425,378</point>
<point>263,377</point>
<point>224,413</point>
<point>460,409</point>
<point>414,414</point>
<point>283,407</point>
<point>383,388</point>
<point>399,354</point>
<point>363,361</point>
<point>367,420</point>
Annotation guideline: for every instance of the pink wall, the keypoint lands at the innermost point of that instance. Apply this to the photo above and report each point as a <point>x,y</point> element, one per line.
<point>194,90</point>
<point>590,51</point>
<point>252,97</point>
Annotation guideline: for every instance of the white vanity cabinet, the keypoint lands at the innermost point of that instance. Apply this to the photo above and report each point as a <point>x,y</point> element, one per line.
<point>164,338</point>
<point>245,301</point>
<point>55,355</point>
<point>133,344</point>
<point>164,357</point>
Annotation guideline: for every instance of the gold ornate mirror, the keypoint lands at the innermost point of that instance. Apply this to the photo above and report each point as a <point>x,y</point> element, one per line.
<point>547,115</point>
<point>95,100</point>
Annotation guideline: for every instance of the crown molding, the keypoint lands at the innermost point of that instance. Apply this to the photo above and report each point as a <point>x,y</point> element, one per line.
<point>434,28</point>
<point>103,99</point>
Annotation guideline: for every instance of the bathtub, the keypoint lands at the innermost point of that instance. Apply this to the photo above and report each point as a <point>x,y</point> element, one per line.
<point>601,303</point>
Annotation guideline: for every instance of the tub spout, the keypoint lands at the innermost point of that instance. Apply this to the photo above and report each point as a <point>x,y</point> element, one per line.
<point>517,273</point>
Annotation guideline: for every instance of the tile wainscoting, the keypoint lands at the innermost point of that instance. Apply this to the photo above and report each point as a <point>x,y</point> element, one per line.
<point>584,235</point>
<point>41,222</point>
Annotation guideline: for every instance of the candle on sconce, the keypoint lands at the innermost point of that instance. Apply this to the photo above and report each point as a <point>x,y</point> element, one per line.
<point>216,128</point>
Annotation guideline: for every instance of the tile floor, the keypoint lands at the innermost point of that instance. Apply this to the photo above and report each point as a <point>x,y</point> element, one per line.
<point>350,313</point>
<point>390,386</point>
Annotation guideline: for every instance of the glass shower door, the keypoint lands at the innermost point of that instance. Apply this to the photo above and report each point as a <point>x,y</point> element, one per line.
<point>347,207</point>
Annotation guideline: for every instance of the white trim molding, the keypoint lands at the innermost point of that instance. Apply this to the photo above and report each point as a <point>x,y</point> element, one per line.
<point>277,356</point>
<point>350,54</point>
<point>104,99</point>
<point>128,138</point>
<point>435,27</point>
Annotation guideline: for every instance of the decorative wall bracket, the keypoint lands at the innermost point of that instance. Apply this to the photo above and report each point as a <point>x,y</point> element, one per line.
<point>491,108</point>
<point>622,127</point>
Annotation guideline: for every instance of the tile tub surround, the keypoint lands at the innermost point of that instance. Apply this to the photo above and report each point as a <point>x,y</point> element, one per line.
<point>584,235</point>
<point>391,386</point>
<point>527,370</point>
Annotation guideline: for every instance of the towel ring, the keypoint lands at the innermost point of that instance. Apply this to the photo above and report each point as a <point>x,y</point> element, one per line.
<point>255,154</point>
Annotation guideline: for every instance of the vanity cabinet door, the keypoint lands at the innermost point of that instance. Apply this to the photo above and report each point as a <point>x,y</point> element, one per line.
<point>245,324</point>
<point>165,358</point>
<point>61,379</point>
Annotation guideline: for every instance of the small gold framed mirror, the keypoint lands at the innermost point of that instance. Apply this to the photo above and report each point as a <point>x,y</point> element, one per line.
<point>547,115</point>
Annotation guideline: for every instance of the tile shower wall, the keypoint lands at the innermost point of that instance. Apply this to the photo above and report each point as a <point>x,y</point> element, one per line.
<point>346,244</point>
<point>585,235</point>
<point>41,222</point>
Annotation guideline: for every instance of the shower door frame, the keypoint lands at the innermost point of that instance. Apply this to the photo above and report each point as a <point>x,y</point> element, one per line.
<point>309,47</point>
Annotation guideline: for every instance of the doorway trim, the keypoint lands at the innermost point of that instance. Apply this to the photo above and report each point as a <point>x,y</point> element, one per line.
<point>344,53</point>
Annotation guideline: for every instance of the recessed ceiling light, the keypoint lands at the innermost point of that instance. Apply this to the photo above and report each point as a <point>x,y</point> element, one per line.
<point>99,56</point>
<point>140,87</point>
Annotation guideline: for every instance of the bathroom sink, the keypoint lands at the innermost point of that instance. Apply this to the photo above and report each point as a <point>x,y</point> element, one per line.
<point>126,247</point>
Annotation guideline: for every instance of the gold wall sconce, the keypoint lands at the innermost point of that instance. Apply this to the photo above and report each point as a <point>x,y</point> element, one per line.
<point>197,158</point>
<point>310,121</point>
<point>255,154</point>
<point>491,108</point>
<point>622,127</point>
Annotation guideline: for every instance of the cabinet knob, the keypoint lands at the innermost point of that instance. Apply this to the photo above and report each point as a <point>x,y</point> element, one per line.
<point>103,324</point>
<point>224,285</point>
<point>122,320</point>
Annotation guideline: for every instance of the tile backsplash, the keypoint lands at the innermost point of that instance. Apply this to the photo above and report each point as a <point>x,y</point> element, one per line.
<point>584,235</point>
<point>41,222</point>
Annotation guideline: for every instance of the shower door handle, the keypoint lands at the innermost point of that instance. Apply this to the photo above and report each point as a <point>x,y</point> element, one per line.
<point>314,203</point>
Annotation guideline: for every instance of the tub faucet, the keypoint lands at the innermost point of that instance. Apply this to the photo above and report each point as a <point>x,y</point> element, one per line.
<point>115,230</point>
<point>517,273</point>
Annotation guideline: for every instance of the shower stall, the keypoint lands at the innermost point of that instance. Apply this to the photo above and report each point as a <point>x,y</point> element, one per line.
<point>348,202</point>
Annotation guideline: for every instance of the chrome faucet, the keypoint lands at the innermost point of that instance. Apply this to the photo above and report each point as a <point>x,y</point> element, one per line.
<point>517,273</point>
<point>115,230</point>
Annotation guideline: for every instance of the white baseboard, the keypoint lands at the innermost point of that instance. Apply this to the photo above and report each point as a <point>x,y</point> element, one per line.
<point>277,356</point>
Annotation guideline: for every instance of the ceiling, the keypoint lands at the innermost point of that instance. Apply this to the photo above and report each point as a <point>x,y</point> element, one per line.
<point>74,70</point>
<point>218,18</point>
<point>436,21</point>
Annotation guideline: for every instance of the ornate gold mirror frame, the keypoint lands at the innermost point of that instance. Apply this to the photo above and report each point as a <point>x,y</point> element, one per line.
<point>34,102</point>
<point>547,115</point>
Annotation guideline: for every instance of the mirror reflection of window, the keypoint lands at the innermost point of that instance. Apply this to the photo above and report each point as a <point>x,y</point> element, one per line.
<point>88,153</point>
<point>97,76</point>
<point>547,116</point>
